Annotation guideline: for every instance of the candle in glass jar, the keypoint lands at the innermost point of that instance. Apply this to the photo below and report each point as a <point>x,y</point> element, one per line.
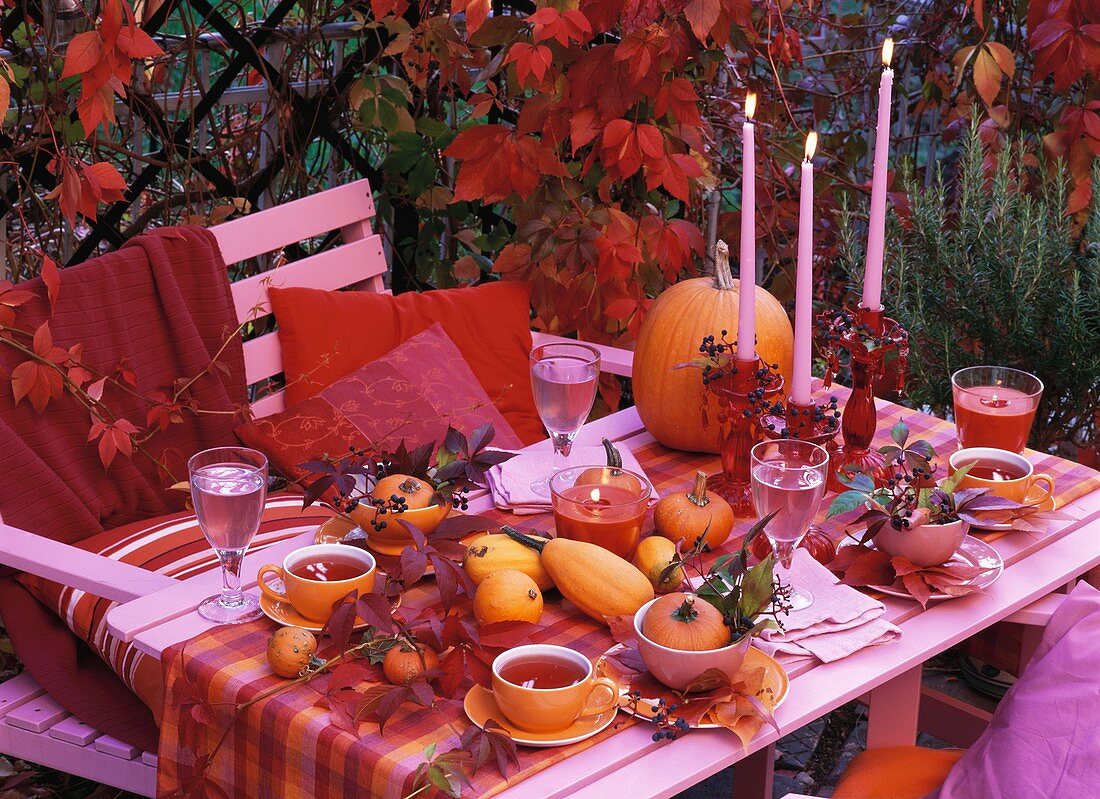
<point>607,515</point>
<point>994,416</point>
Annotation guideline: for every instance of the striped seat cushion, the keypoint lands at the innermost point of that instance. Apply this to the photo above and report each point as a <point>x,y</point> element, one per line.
<point>172,545</point>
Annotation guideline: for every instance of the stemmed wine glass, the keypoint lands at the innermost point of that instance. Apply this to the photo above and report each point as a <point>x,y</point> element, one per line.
<point>229,488</point>
<point>788,478</point>
<point>564,377</point>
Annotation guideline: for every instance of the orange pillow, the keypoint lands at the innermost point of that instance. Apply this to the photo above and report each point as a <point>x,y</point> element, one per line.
<point>896,772</point>
<point>327,334</point>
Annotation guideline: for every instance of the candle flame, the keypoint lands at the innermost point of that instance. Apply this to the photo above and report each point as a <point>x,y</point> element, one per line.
<point>750,105</point>
<point>595,495</point>
<point>811,144</point>
<point>887,52</point>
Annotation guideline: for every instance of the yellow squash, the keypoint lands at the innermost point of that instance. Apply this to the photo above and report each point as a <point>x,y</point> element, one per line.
<point>597,581</point>
<point>495,552</point>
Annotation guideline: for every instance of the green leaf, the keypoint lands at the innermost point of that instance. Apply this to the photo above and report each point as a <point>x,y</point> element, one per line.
<point>949,484</point>
<point>857,481</point>
<point>848,501</point>
<point>756,589</point>
<point>900,433</point>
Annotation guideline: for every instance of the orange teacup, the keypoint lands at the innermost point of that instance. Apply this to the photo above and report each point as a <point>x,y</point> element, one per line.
<point>1003,473</point>
<point>570,685</point>
<point>318,576</point>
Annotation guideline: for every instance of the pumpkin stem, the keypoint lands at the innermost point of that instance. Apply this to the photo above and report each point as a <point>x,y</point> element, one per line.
<point>614,459</point>
<point>723,277</point>
<point>686,612</point>
<point>698,494</point>
<point>410,486</point>
<point>528,541</point>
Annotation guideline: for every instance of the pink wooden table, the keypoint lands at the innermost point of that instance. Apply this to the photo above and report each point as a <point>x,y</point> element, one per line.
<point>886,677</point>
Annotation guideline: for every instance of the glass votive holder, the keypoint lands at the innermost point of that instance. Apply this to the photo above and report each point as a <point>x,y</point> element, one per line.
<point>995,406</point>
<point>602,505</point>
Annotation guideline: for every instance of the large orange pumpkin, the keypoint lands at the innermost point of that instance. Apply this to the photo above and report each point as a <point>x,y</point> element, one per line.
<point>669,399</point>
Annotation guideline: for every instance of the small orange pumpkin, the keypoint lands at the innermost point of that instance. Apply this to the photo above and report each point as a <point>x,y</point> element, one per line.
<point>613,476</point>
<point>817,543</point>
<point>685,623</point>
<point>290,650</point>
<point>403,663</point>
<point>691,514</point>
<point>507,595</point>
<point>417,493</point>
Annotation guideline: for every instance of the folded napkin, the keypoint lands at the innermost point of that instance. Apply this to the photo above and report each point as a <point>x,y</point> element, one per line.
<point>510,482</point>
<point>840,621</point>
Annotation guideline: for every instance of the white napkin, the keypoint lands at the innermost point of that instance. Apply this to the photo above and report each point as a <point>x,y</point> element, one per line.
<point>510,482</point>
<point>840,621</point>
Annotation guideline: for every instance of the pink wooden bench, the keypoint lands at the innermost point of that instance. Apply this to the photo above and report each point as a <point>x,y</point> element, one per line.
<point>33,726</point>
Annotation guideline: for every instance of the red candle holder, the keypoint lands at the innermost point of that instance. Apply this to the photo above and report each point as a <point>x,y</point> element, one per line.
<point>816,423</point>
<point>867,337</point>
<point>745,391</point>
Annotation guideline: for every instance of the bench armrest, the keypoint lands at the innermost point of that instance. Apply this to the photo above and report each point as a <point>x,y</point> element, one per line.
<point>613,360</point>
<point>72,566</point>
<point>1038,613</point>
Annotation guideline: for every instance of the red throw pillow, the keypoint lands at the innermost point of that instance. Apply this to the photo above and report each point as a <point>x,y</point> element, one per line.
<point>413,392</point>
<point>327,334</point>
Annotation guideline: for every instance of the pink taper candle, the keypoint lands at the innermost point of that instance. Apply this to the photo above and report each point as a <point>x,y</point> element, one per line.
<point>876,229</point>
<point>746,308</point>
<point>804,281</point>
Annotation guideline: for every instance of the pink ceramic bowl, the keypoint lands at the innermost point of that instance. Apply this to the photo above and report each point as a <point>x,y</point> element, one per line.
<point>677,668</point>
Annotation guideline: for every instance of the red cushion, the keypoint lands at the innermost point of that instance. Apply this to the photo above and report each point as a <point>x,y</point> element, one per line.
<point>413,393</point>
<point>326,334</point>
<point>896,772</point>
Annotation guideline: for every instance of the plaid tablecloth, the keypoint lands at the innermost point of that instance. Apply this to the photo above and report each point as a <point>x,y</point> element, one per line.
<point>284,746</point>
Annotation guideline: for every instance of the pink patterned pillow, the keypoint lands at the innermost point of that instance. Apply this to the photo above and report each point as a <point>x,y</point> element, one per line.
<point>1044,740</point>
<point>413,392</point>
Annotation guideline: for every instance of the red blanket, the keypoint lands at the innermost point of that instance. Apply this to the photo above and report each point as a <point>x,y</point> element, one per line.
<point>162,304</point>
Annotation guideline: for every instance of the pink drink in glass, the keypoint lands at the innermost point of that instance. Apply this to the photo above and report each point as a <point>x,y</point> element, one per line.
<point>792,489</point>
<point>229,502</point>
<point>565,388</point>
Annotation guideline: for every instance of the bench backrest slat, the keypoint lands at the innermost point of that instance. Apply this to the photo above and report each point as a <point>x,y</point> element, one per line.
<point>358,261</point>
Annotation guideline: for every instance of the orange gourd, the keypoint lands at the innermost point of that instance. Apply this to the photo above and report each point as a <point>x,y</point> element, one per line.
<point>417,493</point>
<point>669,399</point>
<point>507,595</point>
<point>653,555</point>
<point>290,649</point>
<point>685,623</point>
<point>689,514</point>
<point>817,543</point>
<point>613,475</point>
<point>403,663</point>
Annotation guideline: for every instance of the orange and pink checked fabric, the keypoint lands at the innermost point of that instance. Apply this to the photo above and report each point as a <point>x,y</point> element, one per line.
<point>285,745</point>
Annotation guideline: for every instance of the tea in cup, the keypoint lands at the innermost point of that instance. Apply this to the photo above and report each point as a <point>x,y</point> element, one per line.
<point>318,576</point>
<point>1003,473</point>
<point>545,688</point>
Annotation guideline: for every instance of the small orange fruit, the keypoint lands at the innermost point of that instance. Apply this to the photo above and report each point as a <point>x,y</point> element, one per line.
<point>403,663</point>
<point>507,595</point>
<point>290,649</point>
<point>417,493</point>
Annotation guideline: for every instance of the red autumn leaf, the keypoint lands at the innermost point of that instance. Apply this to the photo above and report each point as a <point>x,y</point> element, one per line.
<point>95,107</point>
<point>626,145</point>
<point>678,99</point>
<point>106,182</point>
<point>701,16</point>
<point>490,741</point>
<point>674,173</point>
<point>867,567</point>
<point>1065,48</point>
<point>477,11</point>
<point>51,278</point>
<point>133,42</point>
<point>608,83</point>
<point>38,382</point>
<point>917,588</point>
<point>987,75</point>
<point>532,61</point>
<point>85,51</point>
<point>497,162</point>
<point>602,14</point>
<point>562,27</point>
<point>114,437</point>
<point>618,246</point>
<point>641,52</point>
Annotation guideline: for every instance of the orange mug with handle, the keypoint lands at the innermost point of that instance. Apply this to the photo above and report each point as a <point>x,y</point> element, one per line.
<point>1003,473</point>
<point>546,688</point>
<point>318,576</point>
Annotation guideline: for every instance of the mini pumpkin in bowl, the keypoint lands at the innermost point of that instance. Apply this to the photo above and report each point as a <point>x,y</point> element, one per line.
<point>402,497</point>
<point>680,636</point>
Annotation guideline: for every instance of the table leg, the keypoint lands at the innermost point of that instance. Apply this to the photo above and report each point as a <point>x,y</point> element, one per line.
<point>894,710</point>
<point>752,777</point>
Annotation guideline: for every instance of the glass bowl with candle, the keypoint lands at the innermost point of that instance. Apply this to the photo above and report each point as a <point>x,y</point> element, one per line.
<point>602,505</point>
<point>995,406</point>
